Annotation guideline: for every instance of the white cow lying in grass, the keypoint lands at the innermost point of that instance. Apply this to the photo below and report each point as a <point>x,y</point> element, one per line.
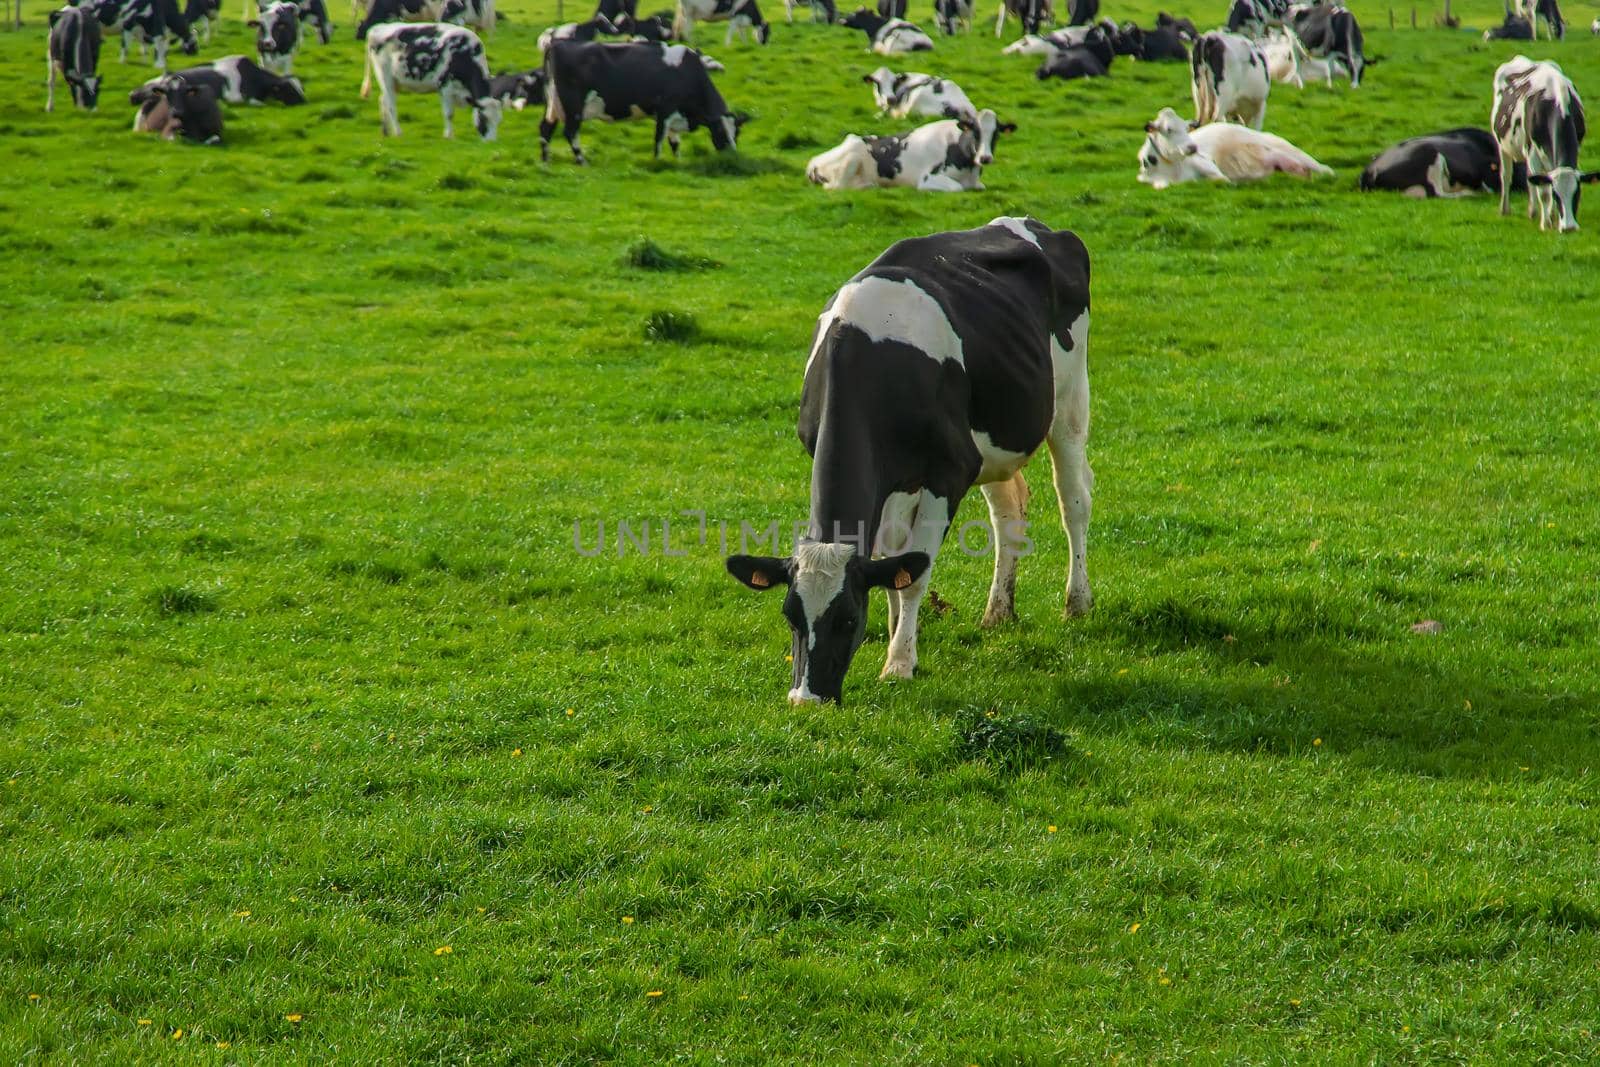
<point>1222,151</point>
<point>904,95</point>
<point>1289,62</point>
<point>943,157</point>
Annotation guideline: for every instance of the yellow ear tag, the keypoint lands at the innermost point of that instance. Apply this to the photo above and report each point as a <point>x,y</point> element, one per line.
<point>759,580</point>
<point>901,578</point>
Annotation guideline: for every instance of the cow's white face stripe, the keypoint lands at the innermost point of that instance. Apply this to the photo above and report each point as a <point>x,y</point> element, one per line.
<point>888,310</point>
<point>1018,227</point>
<point>819,573</point>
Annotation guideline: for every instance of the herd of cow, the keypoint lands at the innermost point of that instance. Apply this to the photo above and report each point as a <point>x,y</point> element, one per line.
<point>976,339</point>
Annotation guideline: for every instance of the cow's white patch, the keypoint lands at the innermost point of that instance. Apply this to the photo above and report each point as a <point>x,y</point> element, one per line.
<point>673,55</point>
<point>819,572</point>
<point>888,310</point>
<point>593,106</point>
<point>999,464</point>
<point>1018,227</point>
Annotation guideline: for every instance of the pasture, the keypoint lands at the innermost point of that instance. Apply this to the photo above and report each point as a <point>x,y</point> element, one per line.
<point>320,742</point>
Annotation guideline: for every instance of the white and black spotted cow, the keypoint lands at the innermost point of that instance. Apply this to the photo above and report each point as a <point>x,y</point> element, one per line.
<point>431,57</point>
<point>889,36</point>
<point>278,36</point>
<point>943,157</point>
<point>944,364</point>
<point>1458,162</point>
<point>903,95</point>
<point>479,14</point>
<point>1253,18</point>
<point>644,79</point>
<point>742,16</point>
<point>1229,79</point>
<point>517,91</point>
<point>381,11</point>
<point>316,13</point>
<point>73,51</point>
<point>1538,119</point>
<point>235,80</point>
<point>1031,13</point>
<point>1331,31</point>
<point>578,31</point>
<point>1090,58</point>
<point>147,22</point>
<point>952,16</point>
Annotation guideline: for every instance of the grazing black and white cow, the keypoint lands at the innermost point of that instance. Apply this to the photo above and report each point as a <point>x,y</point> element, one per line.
<point>667,82</point>
<point>903,95</point>
<point>1289,63</point>
<point>73,51</point>
<point>278,36</point>
<point>893,9</point>
<point>147,22</point>
<point>944,364</point>
<point>1070,63</point>
<point>479,14</point>
<point>1184,27</point>
<point>944,157</point>
<point>517,91</point>
<point>235,80</point>
<point>178,108</point>
<point>1514,28</point>
<point>203,13</point>
<point>1459,162</point>
<point>1082,12</point>
<point>821,10</point>
<point>1031,13</point>
<point>316,13</point>
<point>381,11</point>
<point>578,31</point>
<point>1152,46</point>
<point>1547,11</point>
<point>1229,79</point>
<point>889,37</point>
<point>431,57</point>
<point>1330,30</point>
<point>1254,17</point>
<point>742,17</point>
<point>1538,119</point>
<point>1175,152</point>
<point>617,11</point>
<point>952,16</point>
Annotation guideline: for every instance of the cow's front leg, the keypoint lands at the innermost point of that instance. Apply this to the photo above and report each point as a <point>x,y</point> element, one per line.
<point>449,108</point>
<point>928,524</point>
<point>547,127</point>
<point>1008,522</point>
<point>570,130</point>
<point>122,56</point>
<point>661,134</point>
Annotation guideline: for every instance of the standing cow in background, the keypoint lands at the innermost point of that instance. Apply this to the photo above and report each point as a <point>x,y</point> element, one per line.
<point>742,17</point>
<point>1031,13</point>
<point>147,22</point>
<point>431,57</point>
<point>952,16</point>
<point>1537,118</point>
<point>1229,80</point>
<point>73,51</point>
<point>1332,32</point>
<point>942,365</point>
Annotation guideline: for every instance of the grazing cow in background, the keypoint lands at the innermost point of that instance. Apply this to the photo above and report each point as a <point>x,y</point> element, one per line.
<point>952,16</point>
<point>1329,30</point>
<point>1514,28</point>
<point>742,16</point>
<point>147,22</point>
<point>1070,63</point>
<point>617,11</point>
<point>1173,152</point>
<point>657,27</point>
<point>893,9</point>
<point>203,13</point>
<point>1288,62</point>
<point>821,10</point>
<point>1458,162</point>
<point>1538,119</point>
<point>431,57</point>
<point>903,95</point>
<point>889,37</point>
<point>943,157</point>
<point>1229,79</point>
<point>177,108</point>
<point>278,36</point>
<point>1151,46</point>
<point>667,82</point>
<point>316,13</point>
<point>1082,12</point>
<point>1031,13</point>
<point>1184,27</point>
<point>578,31</point>
<point>73,51</point>
<point>517,91</point>
<point>944,364</point>
<point>235,80</point>
<point>478,14</point>
<point>381,11</point>
<point>1533,11</point>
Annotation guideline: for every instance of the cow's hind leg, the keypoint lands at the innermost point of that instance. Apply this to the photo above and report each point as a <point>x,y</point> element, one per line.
<point>1068,436</point>
<point>49,83</point>
<point>449,110</point>
<point>1008,517</point>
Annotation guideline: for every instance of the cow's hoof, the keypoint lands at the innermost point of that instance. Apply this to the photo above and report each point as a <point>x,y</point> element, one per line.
<point>894,669</point>
<point>1078,606</point>
<point>997,616</point>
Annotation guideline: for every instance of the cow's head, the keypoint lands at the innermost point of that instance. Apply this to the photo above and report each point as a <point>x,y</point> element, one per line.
<point>85,90</point>
<point>1169,136</point>
<point>826,605</point>
<point>882,82</point>
<point>529,89</point>
<point>725,130</point>
<point>763,32</point>
<point>1564,187</point>
<point>288,91</point>
<point>486,112</point>
<point>862,19</point>
<point>984,131</point>
<point>1128,40</point>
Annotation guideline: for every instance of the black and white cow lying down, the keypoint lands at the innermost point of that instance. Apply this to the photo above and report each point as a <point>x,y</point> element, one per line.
<point>1090,58</point>
<point>1156,45</point>
<point>944,364</point>
<point>73,51</point>
<point>904,95</point>
<point>1457,162</point>
<point>1538,119</point>
<point>235,80</point>
<point>667,82</point>
<point>889,37</point>
<point>1514,28</point>
<point>943,157</point>
<point>518,90</point>
<point>146,22</point>
<point>177,108</point>
<point>431,57</point>
<point>742,17</point>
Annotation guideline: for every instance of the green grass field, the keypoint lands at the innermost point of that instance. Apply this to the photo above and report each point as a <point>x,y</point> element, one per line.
<point>319,742</point>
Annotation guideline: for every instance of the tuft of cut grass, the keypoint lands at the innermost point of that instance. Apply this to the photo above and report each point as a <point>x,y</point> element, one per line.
<point>1013,742</point>
<point>676,327</point>
<point>645,254</point>
<point>180,600</point>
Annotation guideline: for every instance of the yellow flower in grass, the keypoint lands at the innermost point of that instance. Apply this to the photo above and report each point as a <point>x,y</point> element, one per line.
<point>516,752</point>
<point>627,920</point>
<point>1050,829</point>
<point>177,1035</point>
<point>224,1044</point>
<point>443,950</point>
<point>142,1022</point>
<point>33,996</point>
<point>242,913</point>
<point>1134,928</point>
<point>655,993</point>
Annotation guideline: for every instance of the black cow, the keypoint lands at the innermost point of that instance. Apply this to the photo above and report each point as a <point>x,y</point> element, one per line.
<point>316,13</point>
<point>235,80</point>
<point>889,36</point>
<point>148,22</point>
<point>668,82</point>
<point>1153,46</point>
<point>659,27</point>
<point>1184,27</point>
<point>1514,28</point>
<point>1075,62</point>
<point>1330,30</point>
<point>1538,119</point>
<point>178,108</point>
<point>742,17</point>
<point>74,52</point>
<point>951,15</point>
<point>379,11</point>
<point>517,91</point>
<point>203,13</point>
<point>617,11</point>
<point>1032,13</point>
<point>1453,163</point>
<point>942,365</point>
<point>1082,12</point>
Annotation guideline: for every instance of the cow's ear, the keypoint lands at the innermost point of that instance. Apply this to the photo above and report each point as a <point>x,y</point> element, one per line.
<point>1006,127</point>
<point>55,17</point>
<point>760,572</point>
<point>1149,127</point>
<point>867,78</point>
<point>254,22</point>
<point>1193,124</point>
<point>894,572</point>
<point>1538,179</point>
<point>1590,177</point>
